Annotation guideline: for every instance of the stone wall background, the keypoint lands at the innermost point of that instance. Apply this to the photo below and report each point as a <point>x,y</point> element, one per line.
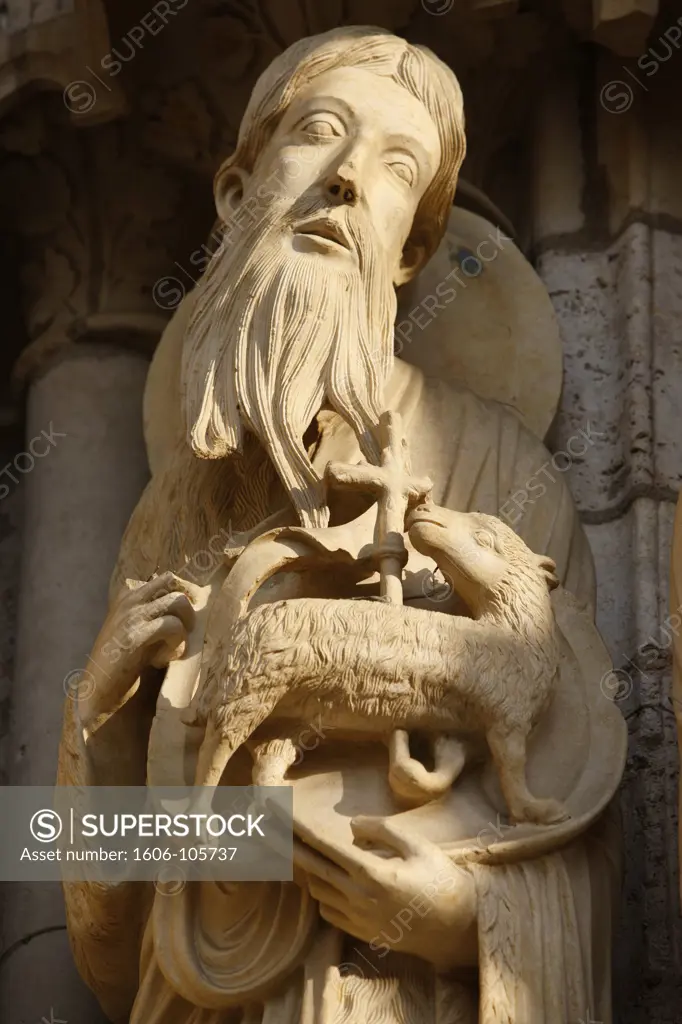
<point>609,247</point>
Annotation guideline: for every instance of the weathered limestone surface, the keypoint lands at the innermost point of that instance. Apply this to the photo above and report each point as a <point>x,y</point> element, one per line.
<point>616,284</point>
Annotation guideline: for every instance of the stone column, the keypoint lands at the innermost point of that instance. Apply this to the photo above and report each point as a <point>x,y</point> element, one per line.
<point>608,241</point>
<point>78,498</point>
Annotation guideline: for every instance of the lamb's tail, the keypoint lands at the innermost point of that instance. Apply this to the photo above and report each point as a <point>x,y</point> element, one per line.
<point>412,781</point>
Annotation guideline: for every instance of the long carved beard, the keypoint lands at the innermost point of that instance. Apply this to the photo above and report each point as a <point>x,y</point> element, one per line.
<point>275,333</point>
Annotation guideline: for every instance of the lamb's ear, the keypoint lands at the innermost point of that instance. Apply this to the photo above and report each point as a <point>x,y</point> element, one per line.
<point>548,567</point>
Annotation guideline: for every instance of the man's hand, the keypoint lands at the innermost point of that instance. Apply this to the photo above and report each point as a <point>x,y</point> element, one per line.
<point>147,627</point>
<point>415,901</point>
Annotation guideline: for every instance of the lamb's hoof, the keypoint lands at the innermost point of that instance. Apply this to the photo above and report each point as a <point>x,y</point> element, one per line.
<point>540,812</point>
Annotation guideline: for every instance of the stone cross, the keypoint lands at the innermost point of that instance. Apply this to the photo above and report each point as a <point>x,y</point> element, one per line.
<point>395,488</point>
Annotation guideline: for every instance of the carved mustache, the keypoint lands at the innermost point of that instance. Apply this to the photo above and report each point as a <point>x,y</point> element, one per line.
<point>349,226</point>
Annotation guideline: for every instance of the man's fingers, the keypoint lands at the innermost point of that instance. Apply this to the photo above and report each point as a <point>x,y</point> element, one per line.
<point>384,833</point>
<point>325,893</point>
<point>315,865</point>
<point>164,583</point>
<point>174,603</point>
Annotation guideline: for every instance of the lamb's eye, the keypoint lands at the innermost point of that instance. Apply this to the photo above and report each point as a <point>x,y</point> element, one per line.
<point>484,538</point>
<point>318,128</point>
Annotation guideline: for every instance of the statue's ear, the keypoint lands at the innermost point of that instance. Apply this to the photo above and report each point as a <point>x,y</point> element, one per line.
<point>548,567</point>
<point>413,258</point>
<point>228,189</point>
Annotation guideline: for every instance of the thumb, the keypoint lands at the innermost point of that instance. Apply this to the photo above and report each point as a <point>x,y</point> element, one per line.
<point>384,832</point>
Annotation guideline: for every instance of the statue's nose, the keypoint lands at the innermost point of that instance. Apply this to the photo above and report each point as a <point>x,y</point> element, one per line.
<point>342,185</point>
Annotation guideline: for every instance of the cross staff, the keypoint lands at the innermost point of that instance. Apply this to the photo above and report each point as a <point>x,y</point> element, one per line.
<point>395,488</point>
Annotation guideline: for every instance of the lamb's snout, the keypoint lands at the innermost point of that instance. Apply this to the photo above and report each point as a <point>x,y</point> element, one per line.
<point>424,513</point>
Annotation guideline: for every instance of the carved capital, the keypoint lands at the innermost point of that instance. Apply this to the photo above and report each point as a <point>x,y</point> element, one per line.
<point>51,45</point>
<point>100,228</point>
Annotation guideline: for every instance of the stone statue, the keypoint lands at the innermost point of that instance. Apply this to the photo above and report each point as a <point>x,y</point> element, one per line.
<point>455,851</point>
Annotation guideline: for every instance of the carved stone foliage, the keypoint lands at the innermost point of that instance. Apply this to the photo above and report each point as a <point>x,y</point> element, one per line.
<point>188,86</point>
<point>99,225</point>
<point>48,44</point>
<point>188,79</point>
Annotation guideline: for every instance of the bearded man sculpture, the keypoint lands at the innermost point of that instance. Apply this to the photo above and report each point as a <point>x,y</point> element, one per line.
<point>279,362</point>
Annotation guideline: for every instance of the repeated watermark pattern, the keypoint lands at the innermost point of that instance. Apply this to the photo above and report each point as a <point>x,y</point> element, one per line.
<point>438,7</point>
<point>80,96</point>
<point>169,291</point>
<point>79,684</point>
<point>618,95</point>
<point>420,906</point>
<point>437,587</point>
<point>471,265</point>
<point>618,684</point>
<point>496,832</point>
<point>534,488</point>
<point>52,1019</point>
<point>204,562</point>
<point>589,1019</point>
<point>170,881</point>
<point>310,738</point>
<point>28,459</point>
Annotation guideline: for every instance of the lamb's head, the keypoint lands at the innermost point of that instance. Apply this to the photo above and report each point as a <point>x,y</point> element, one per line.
<point>486,562</point>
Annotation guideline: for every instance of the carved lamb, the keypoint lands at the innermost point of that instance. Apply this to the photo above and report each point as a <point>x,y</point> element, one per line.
<point>402,668</point>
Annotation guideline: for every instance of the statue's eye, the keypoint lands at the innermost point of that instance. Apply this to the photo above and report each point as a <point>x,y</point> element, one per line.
<point>403,170</point>
<point>317,128</point>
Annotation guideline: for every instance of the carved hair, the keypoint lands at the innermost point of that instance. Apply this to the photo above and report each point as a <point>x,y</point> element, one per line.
<point>415,68</point>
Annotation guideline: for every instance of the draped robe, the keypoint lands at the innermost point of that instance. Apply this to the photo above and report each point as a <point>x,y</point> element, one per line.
<point>479,455</point>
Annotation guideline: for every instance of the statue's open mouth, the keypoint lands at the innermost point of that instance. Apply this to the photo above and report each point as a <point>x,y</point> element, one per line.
<point>326,230</point>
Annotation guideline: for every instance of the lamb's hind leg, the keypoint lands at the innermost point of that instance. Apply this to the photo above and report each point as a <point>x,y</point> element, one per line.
<point>225,734</point>
<point>508,748</point>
